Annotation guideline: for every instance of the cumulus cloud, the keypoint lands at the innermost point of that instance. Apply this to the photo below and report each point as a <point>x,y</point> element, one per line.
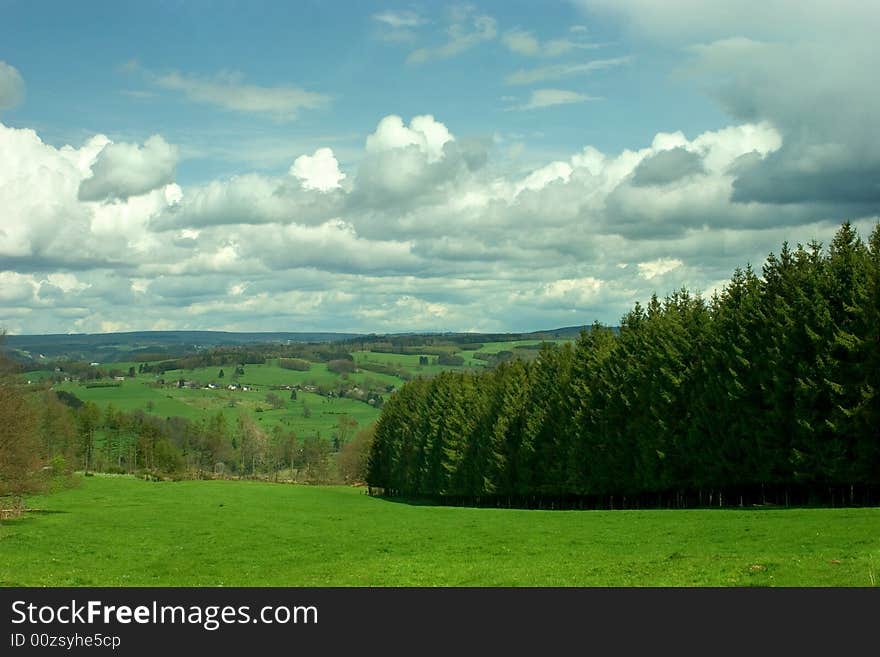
<point>249,199</point>
<point>333,246</point>
<point>123,170</point>
<point>229,91</point>
<point>409,164</point>
<point>831,150</point>
<point>804,67</point>
<point>667,166</point>
<point>38,185</point>
<point>427,232</point>
<point>541,98</point>
<point>677,196</point>
<point>319,171</point>
<point>16,288</point>
<point>407,310</point>
<point>44,223</point>
<point>11,86</point>
<point>662,19</point>
<point>572,292</point>
<point>424,132</point>
<point>655,268</point>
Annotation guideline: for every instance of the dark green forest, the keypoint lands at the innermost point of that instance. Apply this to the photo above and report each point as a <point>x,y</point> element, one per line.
<point>766,393</point>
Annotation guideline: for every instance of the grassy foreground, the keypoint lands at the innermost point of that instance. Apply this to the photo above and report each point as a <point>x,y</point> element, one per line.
<point>120,531</point>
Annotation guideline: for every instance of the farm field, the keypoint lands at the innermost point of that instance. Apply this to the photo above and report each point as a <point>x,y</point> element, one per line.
<point>122,531</point>
<point>307,415</point>
<point>310,413</point>
<point>198,404</point>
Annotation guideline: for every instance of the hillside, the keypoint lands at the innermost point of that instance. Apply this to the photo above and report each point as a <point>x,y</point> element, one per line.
<point>155,345</point>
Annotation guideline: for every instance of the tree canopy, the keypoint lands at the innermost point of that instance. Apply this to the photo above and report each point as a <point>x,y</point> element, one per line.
<point>766,392</point>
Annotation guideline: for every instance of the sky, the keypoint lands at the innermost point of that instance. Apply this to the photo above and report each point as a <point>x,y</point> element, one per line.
<point>418,166</point>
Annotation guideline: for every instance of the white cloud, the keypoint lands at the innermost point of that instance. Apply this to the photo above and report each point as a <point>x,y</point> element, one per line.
<point>421,236</point>
<point>11,86</point>
<point>398,26</point>
<point>333,246</point>
<point>249,199</point>
<point>44,223</point>
<point>123,170</point>
<point>655,268</point>
<point>522,42</point>
<point>424,132</point>
<point>16,288</point>
<point>229,91</point>
<point>409,165</point>
<point>540,178</point>
<point>576,291</point>
<point>806,67</point>
<point>38,185</point>
<point>663,19</point>
<point>541,98</point>
<point>466,31</point>
<point>319,171</point>
<point>398,19</point>
<point>525,43</point>
<point>407,310</point>
<point>559,71</point>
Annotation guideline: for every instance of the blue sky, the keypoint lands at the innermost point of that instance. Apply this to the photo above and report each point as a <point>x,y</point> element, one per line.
<point>94,71</point>
<point>416,166</point>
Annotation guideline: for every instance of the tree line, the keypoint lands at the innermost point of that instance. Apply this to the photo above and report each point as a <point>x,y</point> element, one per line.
<point>766,393</point>
<point>45,437</point>
<point>137,442</point>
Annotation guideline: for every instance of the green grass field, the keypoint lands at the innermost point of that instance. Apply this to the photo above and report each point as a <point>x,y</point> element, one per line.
<point>496,347</point>
<point>198,404</point>
<point>121,531</point>
<point>407,362</point>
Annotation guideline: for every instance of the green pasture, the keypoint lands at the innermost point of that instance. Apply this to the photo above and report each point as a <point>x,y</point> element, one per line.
<point>496,347</point>
<point>408,362</point>
<point>121,531</point>
<point>198,404</point>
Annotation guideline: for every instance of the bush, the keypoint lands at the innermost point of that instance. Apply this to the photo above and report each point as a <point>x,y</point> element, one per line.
<point>450,359</point>
<point>298,364</point>
<point>341,366</point>
<point>275,401</point>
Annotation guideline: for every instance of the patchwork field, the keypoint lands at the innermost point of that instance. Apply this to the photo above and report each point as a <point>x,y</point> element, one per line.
<point>308,414</point>
<point>121,531</point>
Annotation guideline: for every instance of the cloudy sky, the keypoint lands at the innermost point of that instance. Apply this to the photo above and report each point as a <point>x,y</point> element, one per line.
<point>497,166</point>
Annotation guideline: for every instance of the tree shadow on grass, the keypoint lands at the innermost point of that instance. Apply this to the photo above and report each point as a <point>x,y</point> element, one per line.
<point>408,501</point>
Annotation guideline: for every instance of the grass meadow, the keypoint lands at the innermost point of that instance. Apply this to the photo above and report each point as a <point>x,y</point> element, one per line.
<point>122,531</point>
<point>309,414</point>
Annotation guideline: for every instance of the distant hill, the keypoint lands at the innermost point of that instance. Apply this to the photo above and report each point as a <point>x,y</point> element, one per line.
<point>562,333</point>
<point>110,347</point>
<point>566,332</point>
<point>138,345</point>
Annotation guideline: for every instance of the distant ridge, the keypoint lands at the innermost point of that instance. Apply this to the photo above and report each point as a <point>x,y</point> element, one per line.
<point>115,347</point>
<point>178,337</point>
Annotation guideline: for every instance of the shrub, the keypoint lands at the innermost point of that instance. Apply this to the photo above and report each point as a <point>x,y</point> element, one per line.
<point>298,364</point>
<point>341,366</point>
